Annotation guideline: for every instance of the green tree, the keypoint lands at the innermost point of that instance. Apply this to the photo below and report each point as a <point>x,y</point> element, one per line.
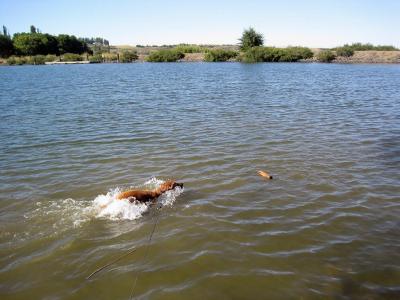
<point>5,31</point>
<point>6,46</point>
<point>50,43</point>
<point>70,44</point>
<point>33,29</point>
<point>28,44</point>
<point>250,38</point>
<point>35,43</point>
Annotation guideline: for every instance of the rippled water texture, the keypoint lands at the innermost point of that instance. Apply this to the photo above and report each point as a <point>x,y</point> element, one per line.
<point>326,226</point>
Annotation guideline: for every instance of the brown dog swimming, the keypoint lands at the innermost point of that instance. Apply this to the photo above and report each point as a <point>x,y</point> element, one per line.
<point>148,195</point>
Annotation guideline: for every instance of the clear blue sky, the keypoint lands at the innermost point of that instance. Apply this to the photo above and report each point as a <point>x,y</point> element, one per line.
<point>313,23</point>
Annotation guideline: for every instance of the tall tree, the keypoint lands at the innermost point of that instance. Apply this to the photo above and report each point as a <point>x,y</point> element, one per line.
<point>6,46</point>
<point>35,43</point>
<point>33,29</point>
<point>28,44</point>
<point>250,38</point>
<point>50,43</point>
<point>70,44</point>
<point>5,31</point>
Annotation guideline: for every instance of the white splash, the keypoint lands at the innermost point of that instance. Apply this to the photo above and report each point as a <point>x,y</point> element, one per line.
<point>66,213</point>
<point>58,215</point>
<point>108,206</point>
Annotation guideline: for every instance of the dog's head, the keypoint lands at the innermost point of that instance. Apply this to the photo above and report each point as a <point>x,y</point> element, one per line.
<point>170,185</point>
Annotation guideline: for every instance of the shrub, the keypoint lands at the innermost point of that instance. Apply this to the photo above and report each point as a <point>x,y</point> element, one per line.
<point>12,60</point>
<point>97,58</point>
<point>326,56</point>
<point>98,50</point>
<point>110,57</point>
<point>293,54</point>
<point>344,51</point>
<point>30,60</point>
<point>15,60</point>
<point>190,48</point>
<point>220,55</point>
<point>250,38</point>
<point>21,61</point>
<point>385,48</point>
<point>128,56</point>
<point>367,47</point>
<point>260,54</point>
<point>50,58</point>
<point>272,54</point>
<point>170,55</point>
<point>254,55</point>
<point>36,60</point>
<point>71,57</point>
<point>359,46</point>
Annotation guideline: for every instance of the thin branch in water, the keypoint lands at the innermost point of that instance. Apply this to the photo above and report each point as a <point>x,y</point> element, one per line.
<point>110,263</point>
<point>145,255</point>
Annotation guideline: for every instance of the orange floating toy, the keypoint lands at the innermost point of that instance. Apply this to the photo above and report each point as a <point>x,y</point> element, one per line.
<point>264,174</point>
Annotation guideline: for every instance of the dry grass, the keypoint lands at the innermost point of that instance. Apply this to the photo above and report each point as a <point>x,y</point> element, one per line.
<point>193,57</point>
<point>384,57</point>
<point>365,57</point>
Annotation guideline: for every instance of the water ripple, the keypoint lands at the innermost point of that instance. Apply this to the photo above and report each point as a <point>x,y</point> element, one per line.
<point>326,226</point>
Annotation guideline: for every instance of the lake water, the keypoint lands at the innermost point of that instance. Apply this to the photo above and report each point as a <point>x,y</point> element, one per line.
<point>326,227</point>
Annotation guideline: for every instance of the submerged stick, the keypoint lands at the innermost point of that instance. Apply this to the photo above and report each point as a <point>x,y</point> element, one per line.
<point>110,263</point>
<point>145,255</point>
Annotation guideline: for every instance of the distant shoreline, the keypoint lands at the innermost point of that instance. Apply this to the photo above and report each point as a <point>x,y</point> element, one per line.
<point>359,57</point>
<point>37,48</point>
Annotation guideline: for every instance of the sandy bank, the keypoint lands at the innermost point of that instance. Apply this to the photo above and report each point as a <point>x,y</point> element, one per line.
<point>359,57</point>
<point>371,57</point>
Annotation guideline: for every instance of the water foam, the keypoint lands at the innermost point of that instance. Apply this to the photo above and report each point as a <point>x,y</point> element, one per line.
<point>66,213</point>
<point>108,206</point>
